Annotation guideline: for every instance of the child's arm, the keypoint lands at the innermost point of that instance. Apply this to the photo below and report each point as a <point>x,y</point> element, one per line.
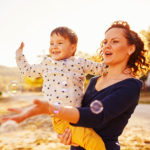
<point>25,68</point>
<point>94,68</point>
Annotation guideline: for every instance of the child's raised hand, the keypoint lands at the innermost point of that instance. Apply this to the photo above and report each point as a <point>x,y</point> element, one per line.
<point>20,49</point>
<point>21,45</point>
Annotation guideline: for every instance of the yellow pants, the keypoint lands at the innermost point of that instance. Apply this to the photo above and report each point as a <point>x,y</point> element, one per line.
<point>85,137</point>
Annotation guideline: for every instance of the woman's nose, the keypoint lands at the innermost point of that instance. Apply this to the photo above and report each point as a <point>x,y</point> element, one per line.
<point>107,45</point>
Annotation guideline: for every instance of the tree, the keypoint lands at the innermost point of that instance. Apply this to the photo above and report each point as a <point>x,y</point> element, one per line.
<point>146,38</point>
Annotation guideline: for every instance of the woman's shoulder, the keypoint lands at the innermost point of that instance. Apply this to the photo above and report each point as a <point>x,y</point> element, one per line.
<point>131,86</point>
<point>125,81</point>
<point>132,81</point>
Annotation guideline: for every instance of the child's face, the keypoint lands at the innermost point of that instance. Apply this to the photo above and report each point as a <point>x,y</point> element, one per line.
<point>61,48</point>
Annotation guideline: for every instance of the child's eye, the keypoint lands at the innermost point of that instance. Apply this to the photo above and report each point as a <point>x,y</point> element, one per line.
<point>60,43</point>
<point>51,44</point>
<point>104,42</point>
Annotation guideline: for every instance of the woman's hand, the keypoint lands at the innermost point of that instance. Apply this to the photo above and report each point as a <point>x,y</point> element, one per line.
<point>39,107</point>
<point>66,137</point>
<point>22,114</point>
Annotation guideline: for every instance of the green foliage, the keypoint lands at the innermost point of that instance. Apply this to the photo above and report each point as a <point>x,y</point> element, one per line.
<point>143,78</point>
<point>146,35</point>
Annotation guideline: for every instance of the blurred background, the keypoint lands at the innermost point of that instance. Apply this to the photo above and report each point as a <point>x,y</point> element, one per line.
<point>31,21</point>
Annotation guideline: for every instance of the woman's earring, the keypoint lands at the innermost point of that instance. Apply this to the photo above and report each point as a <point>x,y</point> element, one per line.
<point>127,71</point>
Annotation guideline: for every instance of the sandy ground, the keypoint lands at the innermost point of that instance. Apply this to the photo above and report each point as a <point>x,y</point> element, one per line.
<point>36,133</point>
<point>136,135</point>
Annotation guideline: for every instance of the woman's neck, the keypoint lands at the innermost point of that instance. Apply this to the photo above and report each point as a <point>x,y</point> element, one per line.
<point>116,72</point>
<point>114,75</point>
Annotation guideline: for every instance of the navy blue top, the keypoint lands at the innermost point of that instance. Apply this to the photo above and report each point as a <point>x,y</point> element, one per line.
<point>119,101</point>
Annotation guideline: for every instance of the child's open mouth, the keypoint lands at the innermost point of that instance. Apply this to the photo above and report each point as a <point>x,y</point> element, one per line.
<point>56,52</point>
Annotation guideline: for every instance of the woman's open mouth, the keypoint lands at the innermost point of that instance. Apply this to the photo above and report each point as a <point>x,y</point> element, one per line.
<point>108,53</point>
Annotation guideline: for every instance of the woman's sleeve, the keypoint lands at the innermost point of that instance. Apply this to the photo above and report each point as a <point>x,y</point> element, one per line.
<point>26,69</point>
<point>114,104</point>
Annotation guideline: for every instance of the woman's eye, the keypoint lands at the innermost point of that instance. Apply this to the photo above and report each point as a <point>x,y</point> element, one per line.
<point>51,44</point>
<point>115,41</point>
<point>60,43</point>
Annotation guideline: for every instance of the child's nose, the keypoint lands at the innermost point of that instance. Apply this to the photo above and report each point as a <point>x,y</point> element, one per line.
<point>55,46</point>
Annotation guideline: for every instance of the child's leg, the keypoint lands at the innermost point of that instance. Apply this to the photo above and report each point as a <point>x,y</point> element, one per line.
<point>85,137</point>
<point>59,125</point>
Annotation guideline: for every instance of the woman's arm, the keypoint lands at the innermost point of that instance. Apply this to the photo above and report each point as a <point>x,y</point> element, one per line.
<point>114,104</point>
<point>38,107</point>
<point>69,114</point>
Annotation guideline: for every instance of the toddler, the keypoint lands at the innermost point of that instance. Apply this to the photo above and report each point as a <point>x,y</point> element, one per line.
<point>63,81</point>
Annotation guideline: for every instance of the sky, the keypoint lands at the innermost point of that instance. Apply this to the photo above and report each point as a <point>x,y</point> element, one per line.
<point>31,21</point>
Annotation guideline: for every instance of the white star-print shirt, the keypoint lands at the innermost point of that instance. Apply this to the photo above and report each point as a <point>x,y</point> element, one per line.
<point>63,80</point>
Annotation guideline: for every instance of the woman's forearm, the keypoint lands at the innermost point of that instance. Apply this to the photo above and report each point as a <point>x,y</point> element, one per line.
<point>68,113</point>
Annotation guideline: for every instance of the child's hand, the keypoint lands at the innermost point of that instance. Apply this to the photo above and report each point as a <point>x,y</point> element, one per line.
<point>21,45</point>
<point>20,49</point>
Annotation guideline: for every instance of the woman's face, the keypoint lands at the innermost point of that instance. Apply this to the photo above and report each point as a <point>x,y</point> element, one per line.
<point>115,47</point>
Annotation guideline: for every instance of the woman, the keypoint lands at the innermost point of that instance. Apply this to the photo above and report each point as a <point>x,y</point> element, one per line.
<point>110,99</point>
<point>118,90</point>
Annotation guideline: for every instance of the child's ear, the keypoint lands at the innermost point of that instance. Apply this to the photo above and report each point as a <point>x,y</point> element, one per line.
<point>131,49</point>
<point>74,47</point>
